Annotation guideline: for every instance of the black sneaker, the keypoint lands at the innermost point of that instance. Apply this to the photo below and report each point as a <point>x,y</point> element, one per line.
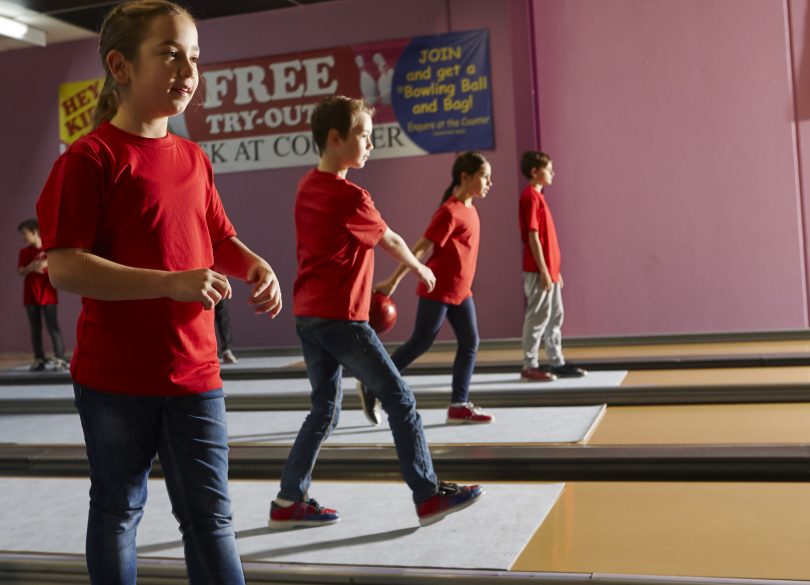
<point>38,365</point>
<point>568,371</point>
<point>369,403</point>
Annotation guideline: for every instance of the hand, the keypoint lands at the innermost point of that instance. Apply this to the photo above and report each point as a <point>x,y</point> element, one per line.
<point>385,287</point>
<point>560,281</point>
<point>39,266</point>
<point>426,275</point>
<point>545,280</point>
<point>201,285</point>
<point>266,295</point>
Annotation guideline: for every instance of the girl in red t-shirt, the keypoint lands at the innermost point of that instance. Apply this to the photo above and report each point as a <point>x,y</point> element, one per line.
<point>132,222</point>
<point>453,236</point>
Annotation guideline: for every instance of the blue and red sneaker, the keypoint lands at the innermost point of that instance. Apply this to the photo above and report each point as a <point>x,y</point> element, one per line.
<point>451,498</point>
<point>307,513</point>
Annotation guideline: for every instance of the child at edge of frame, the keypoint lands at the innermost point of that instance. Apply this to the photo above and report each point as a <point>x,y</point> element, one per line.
<point>337,227</point>
<point>133,222</point>
<point>542,279</point>
<point>40,298</point>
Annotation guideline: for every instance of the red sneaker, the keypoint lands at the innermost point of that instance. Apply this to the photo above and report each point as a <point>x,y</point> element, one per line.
<point>467,414</point>
<point>536,375</point>
<point>307,513</point>
<point>451,498</point>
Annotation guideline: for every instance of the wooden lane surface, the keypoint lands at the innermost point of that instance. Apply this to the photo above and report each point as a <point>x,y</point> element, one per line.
<point>514,355</point>
<point>743,348</point>
<point>705,424</point>
<point>734,530</point>
<point>719,376</point>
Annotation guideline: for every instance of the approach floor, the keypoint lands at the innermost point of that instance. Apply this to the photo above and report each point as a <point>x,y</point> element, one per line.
<point>379,524</point>
<point>434,383</point>
<point>528,426</point>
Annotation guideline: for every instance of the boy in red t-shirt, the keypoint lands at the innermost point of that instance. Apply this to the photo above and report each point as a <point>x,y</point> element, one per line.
<point>542,280</point>
<point>39,297</point>
<point>337,227</point>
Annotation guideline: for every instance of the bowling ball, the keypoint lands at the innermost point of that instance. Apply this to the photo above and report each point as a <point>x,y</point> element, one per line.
<point>382,314</point>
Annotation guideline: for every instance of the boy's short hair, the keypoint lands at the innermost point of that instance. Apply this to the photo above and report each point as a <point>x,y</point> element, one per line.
<point>338,112</point>
<point>30,225</point>
<point>533,159</point>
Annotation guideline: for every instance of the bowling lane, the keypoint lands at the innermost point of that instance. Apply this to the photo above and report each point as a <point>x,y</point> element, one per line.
<point>617,350</point>
<point>719,376</point>
<point>732,530</point>
<point>705,424</point>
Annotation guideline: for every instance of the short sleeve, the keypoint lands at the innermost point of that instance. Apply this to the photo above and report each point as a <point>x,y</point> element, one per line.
<point>530,209</point>
<point>21,259</point>
<point>219,226</point>
<point>69,206</point>
<point>441,226</point>
<point>364,222</point>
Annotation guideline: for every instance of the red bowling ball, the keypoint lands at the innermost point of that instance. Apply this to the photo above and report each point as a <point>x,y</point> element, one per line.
<point>382,314</point>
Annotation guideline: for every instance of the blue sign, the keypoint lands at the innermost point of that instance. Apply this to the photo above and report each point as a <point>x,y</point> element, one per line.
<point>441,92</point>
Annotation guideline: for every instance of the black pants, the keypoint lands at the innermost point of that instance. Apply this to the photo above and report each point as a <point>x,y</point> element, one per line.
<point>35,313</point>
<point>223,324</point>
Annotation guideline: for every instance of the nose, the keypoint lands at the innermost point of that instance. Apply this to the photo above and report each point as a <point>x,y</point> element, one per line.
<point>186,67</point>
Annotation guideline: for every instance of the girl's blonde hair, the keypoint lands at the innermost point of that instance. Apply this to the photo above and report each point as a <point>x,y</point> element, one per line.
<point>123,30</point>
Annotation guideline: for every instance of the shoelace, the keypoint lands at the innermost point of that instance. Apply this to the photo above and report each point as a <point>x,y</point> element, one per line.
<point>314,504</point>
<point>448,489</point>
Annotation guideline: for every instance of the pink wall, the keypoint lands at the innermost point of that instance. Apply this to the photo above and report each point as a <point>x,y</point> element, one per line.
<point>672,124</point>
<point>260,203</point>
<point>673,133</point>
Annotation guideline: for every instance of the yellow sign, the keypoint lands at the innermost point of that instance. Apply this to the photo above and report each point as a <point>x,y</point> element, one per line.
<point>77,102</point>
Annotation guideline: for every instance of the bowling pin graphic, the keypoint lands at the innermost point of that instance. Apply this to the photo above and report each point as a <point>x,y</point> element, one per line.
<point>384,81</point>
<point>368,87</point>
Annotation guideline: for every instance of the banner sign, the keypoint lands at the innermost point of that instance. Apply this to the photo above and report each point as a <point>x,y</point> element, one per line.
<point>77,102</point>
<point>431,94</point>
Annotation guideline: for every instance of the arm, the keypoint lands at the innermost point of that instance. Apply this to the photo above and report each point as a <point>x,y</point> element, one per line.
<point>393,244</point>
<point>540,259</point>
<point>81,272</point>
<point>387,287</point>
<point>35,266</point>
<point>234,258</point>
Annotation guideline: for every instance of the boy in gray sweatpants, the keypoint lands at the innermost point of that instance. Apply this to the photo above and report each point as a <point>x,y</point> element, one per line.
<point>542,280</point>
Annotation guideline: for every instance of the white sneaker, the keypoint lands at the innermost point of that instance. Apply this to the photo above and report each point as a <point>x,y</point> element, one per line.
<point>228,357</point>
<point>59,365</point>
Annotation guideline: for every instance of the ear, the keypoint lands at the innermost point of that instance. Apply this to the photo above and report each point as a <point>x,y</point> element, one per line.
<point>333,136</point>
<point>118,67</point>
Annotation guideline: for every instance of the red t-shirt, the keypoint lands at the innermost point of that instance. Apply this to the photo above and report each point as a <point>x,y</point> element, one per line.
<point>455,231</point>
<point>144,203</point>
<point>336,229</point>
<point>37,288</point>
<point>535,215</point>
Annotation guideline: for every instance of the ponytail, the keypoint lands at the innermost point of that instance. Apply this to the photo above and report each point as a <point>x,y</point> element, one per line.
<point>449,192</point>
<point>107,104</point>
<point>467,163</point>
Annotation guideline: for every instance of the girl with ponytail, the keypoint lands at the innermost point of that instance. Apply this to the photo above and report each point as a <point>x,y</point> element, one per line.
<point>131,221</point>
<point>453,236</point>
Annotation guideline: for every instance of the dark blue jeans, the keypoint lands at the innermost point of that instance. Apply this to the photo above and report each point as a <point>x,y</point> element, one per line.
<point>429,318</point>
<point>123,434</point>
<point>328,345</point>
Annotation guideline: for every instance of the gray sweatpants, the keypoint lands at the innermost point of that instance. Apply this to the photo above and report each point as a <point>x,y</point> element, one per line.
<point>542,322</point>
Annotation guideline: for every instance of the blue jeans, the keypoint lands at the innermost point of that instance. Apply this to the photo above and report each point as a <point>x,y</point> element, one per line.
<point>329,344</point>
<point>429,318</point>
<point>123,434</point>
